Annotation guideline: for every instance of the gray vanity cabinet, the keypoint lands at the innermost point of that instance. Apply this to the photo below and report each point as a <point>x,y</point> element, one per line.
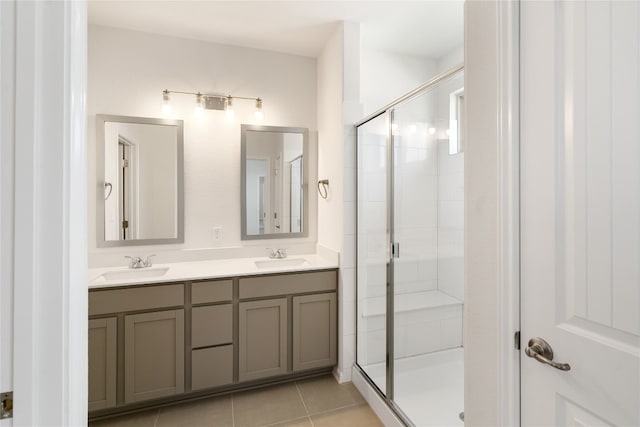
<point>314,331</point>
<point>263,339</point>
<point>159,343</point>
<point>153,355</point>
<point>102,363</point>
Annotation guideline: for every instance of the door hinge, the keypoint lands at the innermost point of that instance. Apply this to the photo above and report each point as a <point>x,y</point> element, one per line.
<point>6,405</point>
<point>125,224</point>
<point>125,163</point>
<point>516,340</point>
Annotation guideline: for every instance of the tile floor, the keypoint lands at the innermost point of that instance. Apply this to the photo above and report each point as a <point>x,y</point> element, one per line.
<point>315,402</point>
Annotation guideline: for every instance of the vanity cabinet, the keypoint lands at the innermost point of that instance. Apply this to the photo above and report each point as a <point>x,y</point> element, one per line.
<point>292,333</point>
<point>153,355</point>
<point>263,339</point>
<point>314,331</point>
<point>102,363</point>
<point>153,344</point>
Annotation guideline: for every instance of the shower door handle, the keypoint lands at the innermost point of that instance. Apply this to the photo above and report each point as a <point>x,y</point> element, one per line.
<point>395,250</point>
<point>540,350</point>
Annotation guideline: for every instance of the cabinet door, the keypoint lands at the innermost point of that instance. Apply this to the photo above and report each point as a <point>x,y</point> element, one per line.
<point>263,339</point>
<point>314,331</point>
<point>153,355</point>
<point>102,363</point>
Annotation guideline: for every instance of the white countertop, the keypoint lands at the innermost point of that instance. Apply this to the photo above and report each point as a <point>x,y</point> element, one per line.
<point>211,269</point>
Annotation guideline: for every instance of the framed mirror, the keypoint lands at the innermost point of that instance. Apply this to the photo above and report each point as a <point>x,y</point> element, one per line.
<point>139,169</point>
<point>274,164</point>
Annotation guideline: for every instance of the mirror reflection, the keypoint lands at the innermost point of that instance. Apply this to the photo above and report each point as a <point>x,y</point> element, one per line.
<point>140,181</point>
<point>273,179</point>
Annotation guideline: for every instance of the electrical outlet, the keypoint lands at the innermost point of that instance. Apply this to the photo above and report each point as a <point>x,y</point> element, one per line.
<point>216,234</point>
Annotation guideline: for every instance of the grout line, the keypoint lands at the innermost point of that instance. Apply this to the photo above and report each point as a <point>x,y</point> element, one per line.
<point>304,404</point>
<point>277,423</point>
<point>155,422</point>
<point>233,415</point>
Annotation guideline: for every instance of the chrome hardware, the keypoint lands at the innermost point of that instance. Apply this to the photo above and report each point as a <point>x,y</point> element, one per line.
<point>540,350</point>
<point>110,187</point>
<point>395,249</point>
<point>277,253</point>
<point>148,261</point>
<point>137,262</point>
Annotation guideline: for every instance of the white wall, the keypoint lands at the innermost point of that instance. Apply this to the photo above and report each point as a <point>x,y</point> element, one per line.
<point>338,108</point>
<point>385,76</point>
<point>128,71</point>
<point>330,137</point>
<point>449,60</point>
<point>482,344</point>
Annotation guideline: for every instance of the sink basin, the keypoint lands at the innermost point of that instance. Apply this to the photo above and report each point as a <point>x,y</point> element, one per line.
<point>282,263</point>
<point>140,273</point>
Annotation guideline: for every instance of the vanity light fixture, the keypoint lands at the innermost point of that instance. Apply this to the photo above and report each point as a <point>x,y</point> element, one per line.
<point>259,115</point>
<point>199,108</point>
<point>208,101</point>
<point>228,107</point>
<point>166,103</point>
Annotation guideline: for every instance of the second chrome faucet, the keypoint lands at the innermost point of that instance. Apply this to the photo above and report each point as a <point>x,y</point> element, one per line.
<point>137,262</point>
<point>277,253</point>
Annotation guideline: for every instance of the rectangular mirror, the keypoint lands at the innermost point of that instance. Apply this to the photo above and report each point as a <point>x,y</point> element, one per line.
<point>139,169</point>
<point>274,181</point>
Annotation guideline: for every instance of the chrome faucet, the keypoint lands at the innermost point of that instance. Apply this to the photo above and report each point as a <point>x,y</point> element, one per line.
<point>277,253</point>
<point>137,262</point>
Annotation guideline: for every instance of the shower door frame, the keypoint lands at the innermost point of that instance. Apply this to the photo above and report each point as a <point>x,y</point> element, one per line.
<point>389,109</point>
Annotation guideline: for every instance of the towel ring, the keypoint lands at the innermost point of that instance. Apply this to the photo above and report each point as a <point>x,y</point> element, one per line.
<point>324,189</point>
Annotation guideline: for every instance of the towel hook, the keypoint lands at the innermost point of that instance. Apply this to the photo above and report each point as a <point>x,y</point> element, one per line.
<point>108,184</point>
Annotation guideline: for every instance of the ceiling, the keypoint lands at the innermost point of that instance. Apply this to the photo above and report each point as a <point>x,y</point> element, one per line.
<point>421,28</point>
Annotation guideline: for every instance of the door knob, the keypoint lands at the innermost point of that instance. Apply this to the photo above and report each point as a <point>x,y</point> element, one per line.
<point>540,350</point>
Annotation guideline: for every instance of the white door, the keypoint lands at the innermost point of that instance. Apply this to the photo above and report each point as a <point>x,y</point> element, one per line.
<point>580,207</point>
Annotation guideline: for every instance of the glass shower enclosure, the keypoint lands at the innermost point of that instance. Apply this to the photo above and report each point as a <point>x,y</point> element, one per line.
<point>410,252</point>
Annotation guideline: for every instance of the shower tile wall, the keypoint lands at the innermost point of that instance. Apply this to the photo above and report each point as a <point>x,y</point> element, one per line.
<point>450,222</point>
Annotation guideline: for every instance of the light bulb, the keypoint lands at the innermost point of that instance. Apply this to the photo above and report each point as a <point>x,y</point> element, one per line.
<point>166,103</point>
<point>199,108</point>
<point>228,107</point>
<point>259,115</point>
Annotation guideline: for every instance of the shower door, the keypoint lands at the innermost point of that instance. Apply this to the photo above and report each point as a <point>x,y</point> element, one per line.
<point>410,265</point>
<point>372,254</point>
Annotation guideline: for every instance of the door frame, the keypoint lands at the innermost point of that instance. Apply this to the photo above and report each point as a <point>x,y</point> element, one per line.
<point>492,217</point>
<point>509,212</point>
<point>49,283</point>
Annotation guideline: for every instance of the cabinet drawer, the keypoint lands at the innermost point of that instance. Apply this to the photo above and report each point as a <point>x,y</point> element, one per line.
<point>211,325</point>
<point>285,284</point>
<point>211,291</point>
<point>137,298</point>
<point>211,367</point>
